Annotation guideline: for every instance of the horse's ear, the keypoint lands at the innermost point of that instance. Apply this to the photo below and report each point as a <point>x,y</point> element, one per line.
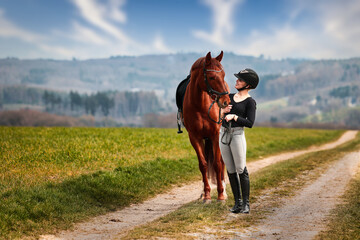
<point>208,58</point>
<point>219,58</point>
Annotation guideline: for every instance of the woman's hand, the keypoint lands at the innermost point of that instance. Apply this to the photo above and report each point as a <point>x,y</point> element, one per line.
<point>230,117</point>
<point>227,109</point>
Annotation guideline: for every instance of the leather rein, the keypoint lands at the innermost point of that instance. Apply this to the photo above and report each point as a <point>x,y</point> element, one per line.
<point>212,93</point>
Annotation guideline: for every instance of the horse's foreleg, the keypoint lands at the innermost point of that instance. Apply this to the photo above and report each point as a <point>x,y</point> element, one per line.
<point>223,176</point>
<point>199,147</point>
<point>219,169</point>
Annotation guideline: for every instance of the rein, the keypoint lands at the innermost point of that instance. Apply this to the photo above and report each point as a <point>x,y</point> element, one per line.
<point>212,93</point>
<point>220,118</point>
<point>227,132</point>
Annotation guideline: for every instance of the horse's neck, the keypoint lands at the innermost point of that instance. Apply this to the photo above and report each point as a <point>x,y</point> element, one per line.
<point>199,97</point>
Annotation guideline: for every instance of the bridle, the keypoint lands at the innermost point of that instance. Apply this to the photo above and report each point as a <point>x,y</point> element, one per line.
<point>213,92</point>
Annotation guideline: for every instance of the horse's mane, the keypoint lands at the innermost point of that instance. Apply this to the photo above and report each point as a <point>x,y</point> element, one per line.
<point>198,64</point>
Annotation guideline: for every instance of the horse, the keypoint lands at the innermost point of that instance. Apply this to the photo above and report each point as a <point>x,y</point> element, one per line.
<point>201,118</point>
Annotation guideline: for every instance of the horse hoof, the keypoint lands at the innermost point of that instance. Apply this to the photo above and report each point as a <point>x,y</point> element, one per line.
<point>207,201</point>
<point>222,201</point>
<point>221,197</point>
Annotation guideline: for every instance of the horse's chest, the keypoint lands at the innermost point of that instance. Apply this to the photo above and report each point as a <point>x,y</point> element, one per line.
<point>201,126</point>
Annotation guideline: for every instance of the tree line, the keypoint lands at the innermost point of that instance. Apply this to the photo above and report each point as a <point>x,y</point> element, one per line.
<point>117,104</point>
<point>89,103</point>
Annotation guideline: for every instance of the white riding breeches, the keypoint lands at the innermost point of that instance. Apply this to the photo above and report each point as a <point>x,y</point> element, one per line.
<point>234,154</point>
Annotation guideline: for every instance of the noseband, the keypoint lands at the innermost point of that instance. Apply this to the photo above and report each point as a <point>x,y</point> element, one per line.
<point>213,92</point>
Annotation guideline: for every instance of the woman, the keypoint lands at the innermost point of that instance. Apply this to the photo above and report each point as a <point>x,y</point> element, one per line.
<point>239,114</point>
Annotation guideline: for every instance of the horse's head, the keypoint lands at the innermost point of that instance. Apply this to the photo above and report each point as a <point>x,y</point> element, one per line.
<point>211,78</point>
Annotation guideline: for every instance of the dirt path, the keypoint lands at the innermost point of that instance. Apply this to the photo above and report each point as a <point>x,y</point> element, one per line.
<point>116,223</point>
<point>304,215</point>
<point>254,166</point>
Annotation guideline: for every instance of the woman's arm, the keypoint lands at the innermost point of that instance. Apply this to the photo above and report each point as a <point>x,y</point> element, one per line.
<point>250,115</point>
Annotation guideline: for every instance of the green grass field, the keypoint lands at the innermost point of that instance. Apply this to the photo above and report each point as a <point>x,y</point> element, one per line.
<point>283,179</point>
<point>52,177</point>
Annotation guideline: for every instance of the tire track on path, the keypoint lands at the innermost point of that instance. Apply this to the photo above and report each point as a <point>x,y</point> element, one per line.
<point>118,223</point>
<point>304,215</point>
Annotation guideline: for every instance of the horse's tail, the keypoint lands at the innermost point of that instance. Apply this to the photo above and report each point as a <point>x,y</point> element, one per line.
<point>209,155</point>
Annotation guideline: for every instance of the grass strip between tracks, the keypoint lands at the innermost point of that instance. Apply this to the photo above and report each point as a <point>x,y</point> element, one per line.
<point>345,218</point>
<point>197,220</point>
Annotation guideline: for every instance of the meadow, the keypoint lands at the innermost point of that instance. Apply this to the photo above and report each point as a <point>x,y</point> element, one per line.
<point>269,185</point>
<point>53,177</point>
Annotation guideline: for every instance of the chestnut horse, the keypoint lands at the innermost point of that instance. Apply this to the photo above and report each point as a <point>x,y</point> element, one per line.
<point>202,118</point>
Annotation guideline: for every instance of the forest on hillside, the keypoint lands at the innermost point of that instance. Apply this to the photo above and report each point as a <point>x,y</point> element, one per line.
<point>131,89</point>
<point>316,92</point>
<point>115,105</point>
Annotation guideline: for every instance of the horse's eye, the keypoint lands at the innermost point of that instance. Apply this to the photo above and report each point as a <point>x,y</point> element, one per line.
<point>211,78</point>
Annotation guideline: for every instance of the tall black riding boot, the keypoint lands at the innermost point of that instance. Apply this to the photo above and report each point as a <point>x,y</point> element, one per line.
<point>245,189</point>
<point>235,187</point>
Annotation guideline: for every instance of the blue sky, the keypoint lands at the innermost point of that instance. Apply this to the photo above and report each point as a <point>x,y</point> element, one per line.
<point>63,29</point>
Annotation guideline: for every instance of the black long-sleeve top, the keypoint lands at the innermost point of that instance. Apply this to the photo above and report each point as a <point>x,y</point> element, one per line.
<point>245,110</point>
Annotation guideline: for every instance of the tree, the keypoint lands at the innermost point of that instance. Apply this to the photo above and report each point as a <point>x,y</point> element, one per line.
<point>51,99</point>
<point>340,92</point>
<point>90,104</point>
<point>46,98</point>
<point>75,100</point>
<point>105,102</point>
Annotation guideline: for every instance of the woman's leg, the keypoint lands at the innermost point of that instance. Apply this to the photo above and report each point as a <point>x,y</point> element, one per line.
<point>235,188</point>
<point>238,150</point>
<point>227,156</point>
<point>245,190</point>
<point>238,147</point>
<point>232,174</point>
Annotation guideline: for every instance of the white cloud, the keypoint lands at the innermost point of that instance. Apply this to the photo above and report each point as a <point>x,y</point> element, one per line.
<point>40,47</point>
<point>280,43</point>
<point>339,33</point>
<point>115,10</point>
<point>160,46</point>
<point>45,46</point>
<point>341,22</point>
<point>8,29</point>
<point>102,16</point>
<point>86,35</point>
<point>330,30</point>
<point>333,32</point>
<point>54,50</point>
<point>222,11</point>
<point>99,39</point>
<point>97,14</point>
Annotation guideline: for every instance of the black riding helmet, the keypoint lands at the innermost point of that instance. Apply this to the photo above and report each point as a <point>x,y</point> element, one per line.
<point>249,76</point>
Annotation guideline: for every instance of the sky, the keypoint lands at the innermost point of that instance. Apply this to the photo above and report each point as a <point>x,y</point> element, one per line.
<point>88,29</point>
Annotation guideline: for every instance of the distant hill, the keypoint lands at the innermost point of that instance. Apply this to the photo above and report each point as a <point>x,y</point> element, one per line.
<point>161,73</point>
<point>290,89</point>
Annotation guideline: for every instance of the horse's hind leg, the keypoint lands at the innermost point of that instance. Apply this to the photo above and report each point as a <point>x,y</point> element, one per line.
<point>199,147</point>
